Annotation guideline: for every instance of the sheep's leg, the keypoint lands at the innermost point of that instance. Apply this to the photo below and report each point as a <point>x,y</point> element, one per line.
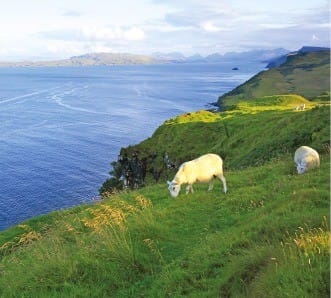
<point>189,188</point>
<point>211,185</point>
<point>222,178</point>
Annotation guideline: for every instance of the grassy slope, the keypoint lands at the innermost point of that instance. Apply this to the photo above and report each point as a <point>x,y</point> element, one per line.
<point>306,74</point>
<point>249,135</point>
<point>268,237</point>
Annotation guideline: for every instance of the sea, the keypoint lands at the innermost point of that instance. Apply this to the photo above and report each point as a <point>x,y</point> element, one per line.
<point>61,127</point>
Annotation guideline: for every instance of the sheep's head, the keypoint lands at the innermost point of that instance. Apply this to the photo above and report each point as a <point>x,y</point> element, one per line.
<point>301,167</point>
<point>174,189</point>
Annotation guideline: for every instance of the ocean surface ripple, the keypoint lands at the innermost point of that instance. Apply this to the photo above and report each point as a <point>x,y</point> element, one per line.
<point>62,126</point>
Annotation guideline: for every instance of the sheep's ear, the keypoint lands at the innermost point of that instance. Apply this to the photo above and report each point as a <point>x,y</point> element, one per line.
<point>169,183</point>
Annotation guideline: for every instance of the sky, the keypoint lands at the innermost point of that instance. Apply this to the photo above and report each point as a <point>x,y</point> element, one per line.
<point>48,29</point>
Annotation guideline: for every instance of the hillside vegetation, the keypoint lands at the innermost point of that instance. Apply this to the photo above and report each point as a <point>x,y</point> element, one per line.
<point>269,236</point>
<point>306,74</point>
<point>253,133</point>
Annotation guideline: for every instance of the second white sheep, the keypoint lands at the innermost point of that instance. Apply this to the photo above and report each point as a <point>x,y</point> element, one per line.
<point>306,158</point>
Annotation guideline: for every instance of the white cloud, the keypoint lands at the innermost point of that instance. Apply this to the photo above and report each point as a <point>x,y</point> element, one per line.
<point>314,37</point>
<point>134,34</point>
<point>88,39</point>
<point>93,33</point>
<point>277,26</point>
<point>112,33</point>
<point>210,27</point>
<point>60,49</point>
<point>98,48</point>
<point>63,48</point>
<point>72,13</point>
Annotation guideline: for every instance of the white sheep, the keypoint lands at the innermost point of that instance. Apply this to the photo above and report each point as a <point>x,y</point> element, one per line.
<point>203,169</point>
<point>302,107</point>
<point>306,158</point>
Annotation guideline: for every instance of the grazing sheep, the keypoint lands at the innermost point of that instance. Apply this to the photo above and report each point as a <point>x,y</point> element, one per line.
<point>302,107</point>
<point>306,158</point>
<point>203,169</point>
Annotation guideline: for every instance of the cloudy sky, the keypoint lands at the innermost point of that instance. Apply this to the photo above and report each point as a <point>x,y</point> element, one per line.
<point>48,29</point>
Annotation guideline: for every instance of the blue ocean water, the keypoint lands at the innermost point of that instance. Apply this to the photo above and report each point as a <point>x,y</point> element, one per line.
<point>60,127</point>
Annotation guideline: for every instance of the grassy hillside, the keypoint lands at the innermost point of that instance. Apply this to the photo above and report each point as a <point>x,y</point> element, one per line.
<point>253,133</point>
<point>269,236</point>
<point>306,74</point>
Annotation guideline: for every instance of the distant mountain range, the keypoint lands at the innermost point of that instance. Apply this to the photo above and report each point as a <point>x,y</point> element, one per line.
<point>93,59</point>
<point>254,55</point>
<point>272,58</point>
<point>97,59</point>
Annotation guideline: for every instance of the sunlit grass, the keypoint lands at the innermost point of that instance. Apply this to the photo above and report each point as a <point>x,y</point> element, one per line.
<point>199,116</point>
<point>250,135</point>
<point>269,235</point>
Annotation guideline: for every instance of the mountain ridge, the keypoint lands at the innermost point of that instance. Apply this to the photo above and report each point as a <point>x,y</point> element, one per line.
<point>305,49</point>
<point>89,59</point>
<point>109,59</point>
<point>297,74</point>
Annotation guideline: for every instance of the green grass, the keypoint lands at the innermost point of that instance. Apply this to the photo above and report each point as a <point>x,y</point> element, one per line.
<point>306,74</point>
<point>267,237</point>
<point>250,135</point>
<point>274,102</point>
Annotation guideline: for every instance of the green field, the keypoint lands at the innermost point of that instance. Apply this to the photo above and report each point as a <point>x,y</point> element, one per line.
<point>269,236</point>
